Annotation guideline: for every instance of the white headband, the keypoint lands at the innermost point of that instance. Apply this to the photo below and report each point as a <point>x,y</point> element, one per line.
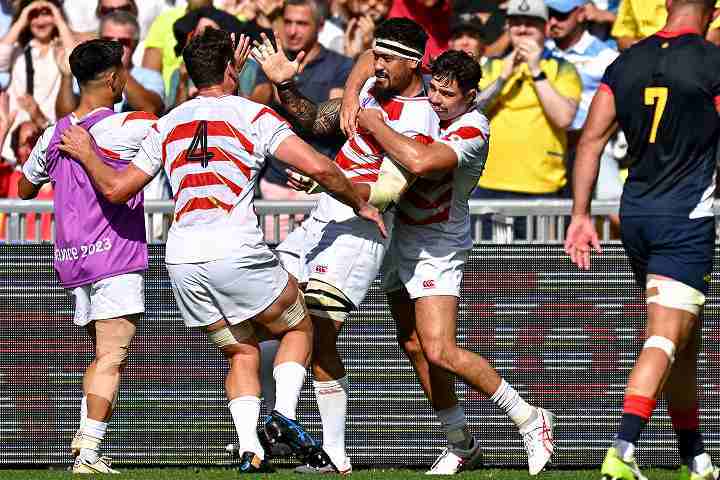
<point>389,47</point>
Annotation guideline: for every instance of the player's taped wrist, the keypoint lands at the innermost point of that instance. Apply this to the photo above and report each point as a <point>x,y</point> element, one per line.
<point>392,182</point>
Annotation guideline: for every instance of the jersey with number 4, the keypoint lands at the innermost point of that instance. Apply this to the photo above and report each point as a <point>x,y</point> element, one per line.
<point>361,156</point>
<point>666,90</point>
<point>212,150</point>
<point>435,212</point>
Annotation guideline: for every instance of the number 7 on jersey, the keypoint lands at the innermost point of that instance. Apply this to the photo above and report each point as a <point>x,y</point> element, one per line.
<point>656,96</point>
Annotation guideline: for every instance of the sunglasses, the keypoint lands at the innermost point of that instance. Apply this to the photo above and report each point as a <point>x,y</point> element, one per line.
<point>125,42</point>
<point>39,12</point>
<point>560,16</point>
<point>102,10</point>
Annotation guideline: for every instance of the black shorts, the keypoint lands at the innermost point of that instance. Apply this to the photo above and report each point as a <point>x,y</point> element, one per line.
<point>674,247</point>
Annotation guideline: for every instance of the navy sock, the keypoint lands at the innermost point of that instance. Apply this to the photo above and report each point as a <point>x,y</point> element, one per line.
<point>690,443</point>
<point>631,426</point>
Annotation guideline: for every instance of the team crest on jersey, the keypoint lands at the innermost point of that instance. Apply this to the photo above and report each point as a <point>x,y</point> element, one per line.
<point>428,283</point>
<point>321,268</point>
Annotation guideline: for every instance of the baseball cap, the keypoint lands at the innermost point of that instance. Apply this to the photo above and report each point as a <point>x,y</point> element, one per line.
<point>527,8</point>
<point>564,6</point>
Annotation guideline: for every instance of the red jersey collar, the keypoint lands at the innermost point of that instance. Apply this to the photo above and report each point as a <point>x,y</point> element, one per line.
<point>677,33</point>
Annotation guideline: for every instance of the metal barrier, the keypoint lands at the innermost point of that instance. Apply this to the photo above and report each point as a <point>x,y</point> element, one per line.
<point>494,221</point>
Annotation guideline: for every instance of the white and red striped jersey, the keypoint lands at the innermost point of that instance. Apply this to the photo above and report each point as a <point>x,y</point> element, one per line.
<point>361,156</point>
<point>212,150</point>
<point>441,206</point>
<point>118,136</point>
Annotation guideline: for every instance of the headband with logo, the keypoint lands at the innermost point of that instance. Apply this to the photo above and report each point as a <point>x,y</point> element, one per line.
<point>389,47</point>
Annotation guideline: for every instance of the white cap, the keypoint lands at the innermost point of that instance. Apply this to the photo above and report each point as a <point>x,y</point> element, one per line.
<point>528,8</point>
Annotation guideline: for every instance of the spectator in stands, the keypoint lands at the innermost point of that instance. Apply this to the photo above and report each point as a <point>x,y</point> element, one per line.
<point>160,41</point>
<point>22,140</point>
<point>468,36</point>
<point>570,40</point>
<point>433,16</point>
<point>530,98</point>
<point>637,19</point>
<point>494,20</point>
<point>194,23</point>
<point>364,16</point>
<point>6,16</point>
<point>322,78</point>
<point>27,52</point>
<point>144,89</point>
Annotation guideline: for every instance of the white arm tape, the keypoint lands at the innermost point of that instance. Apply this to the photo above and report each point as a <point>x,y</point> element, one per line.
<point>664,344</point>
<point>392,182</point>
<point>674,294</point>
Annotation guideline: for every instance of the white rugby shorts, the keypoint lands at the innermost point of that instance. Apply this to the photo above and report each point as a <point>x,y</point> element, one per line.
<point>112,297</point>
<point>228,288</point>
<point>347,255</point>
<point>424,274</point>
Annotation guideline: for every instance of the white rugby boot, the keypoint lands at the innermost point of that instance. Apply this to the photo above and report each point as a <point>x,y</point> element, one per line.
<point>452,461</point>
<point>538,440</point>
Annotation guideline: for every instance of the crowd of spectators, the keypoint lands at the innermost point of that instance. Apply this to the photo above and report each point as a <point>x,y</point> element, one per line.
<point>535,124</point>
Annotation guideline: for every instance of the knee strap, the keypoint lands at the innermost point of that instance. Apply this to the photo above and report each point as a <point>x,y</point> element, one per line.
<point>231,334</point>
<point>325,301</point>
<point>664,344</point>
<point>674,294</point>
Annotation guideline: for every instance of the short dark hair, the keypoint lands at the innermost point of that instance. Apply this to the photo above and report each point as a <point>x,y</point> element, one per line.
<point>404,31</point>
<point>207,56</point>
<point>89,59</point>
<point>707,5</point>
<point>459,66</point>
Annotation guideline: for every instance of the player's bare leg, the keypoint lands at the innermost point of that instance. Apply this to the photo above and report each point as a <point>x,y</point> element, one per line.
<point>670,331</point>
<point>436,320</point>
<point>111,340</point>
<point>287,319</point>
<point>463,452</point>
<point>681,394</point>
<point>242,387</point>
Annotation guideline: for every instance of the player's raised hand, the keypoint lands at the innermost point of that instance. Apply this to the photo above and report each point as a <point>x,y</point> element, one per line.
<point>581,238</point>
<point>77,143</point>
<point>368,212</point>
<point>277,67</point>
<point>242,51</point>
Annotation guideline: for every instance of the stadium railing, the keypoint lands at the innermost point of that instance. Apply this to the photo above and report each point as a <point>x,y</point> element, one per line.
<point>544,220</point>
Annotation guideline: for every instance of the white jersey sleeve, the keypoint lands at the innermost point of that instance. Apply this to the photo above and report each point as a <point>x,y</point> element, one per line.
<point>469,139</point>
<point>35,168</point>
<point>149,157</point>
<point>271,129</point>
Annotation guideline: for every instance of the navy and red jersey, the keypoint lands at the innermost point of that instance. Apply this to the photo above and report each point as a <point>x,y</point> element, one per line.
<point>666,89</point>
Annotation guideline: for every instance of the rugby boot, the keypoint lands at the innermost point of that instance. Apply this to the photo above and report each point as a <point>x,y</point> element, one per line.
<point>452,460</point>
<point>615,467</point>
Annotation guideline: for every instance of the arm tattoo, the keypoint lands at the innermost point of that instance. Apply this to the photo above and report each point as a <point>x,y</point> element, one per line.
<point>487,96</point>
<point>323,119</point>
<point>303,110</point>
<point>327,121</point>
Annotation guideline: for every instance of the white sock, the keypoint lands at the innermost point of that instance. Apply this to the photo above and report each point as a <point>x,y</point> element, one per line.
<point>83,411</point>
<point>268,350</point>
<point>519,411</point>
<point>289,378</point>
<point>454,424</point>
<point>332,400</point>
<point>701,463</point>
<point>93,432</point>
<point>245,412</point>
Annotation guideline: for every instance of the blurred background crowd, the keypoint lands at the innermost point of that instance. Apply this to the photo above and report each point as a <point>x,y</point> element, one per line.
<point>534,133</point>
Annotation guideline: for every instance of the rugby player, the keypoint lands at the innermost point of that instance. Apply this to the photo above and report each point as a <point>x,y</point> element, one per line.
<point>100,249</point>
<point>422,273</point>
<point>319,251</point>
<point>224,277</point>
<point>664,93</point>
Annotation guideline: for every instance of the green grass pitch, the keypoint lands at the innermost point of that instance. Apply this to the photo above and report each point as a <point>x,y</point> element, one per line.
<point>192,473</point>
